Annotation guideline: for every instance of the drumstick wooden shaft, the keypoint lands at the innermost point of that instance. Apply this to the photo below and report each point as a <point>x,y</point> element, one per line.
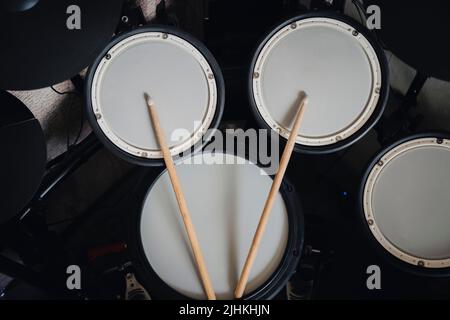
<point>201,266</point>
<point>270,201</point>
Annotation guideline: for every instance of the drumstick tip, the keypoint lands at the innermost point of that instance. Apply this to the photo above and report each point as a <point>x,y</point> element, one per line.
<point>149,100</point>
<point>303,97</point>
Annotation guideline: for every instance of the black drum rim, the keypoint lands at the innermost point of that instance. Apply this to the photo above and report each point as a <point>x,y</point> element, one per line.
<point>400,264</point>
<point>270,288</point>
<point>384,89</point>
<point>215,68</point>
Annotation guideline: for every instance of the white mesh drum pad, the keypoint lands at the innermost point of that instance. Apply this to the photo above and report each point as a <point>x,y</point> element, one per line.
<point>225,203</point>
<point>407,202</point>
<point>177,77</point>
<point>337,68</point>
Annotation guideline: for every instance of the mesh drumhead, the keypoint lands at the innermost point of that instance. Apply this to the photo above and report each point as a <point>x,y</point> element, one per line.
<point>407,202</point>
<point>333,63</point>
<point>174,73</point>
<point>225,206</point>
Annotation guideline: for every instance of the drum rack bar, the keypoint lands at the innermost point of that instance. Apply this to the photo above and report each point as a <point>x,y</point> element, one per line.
<point>62,168</point>
<point>16,270</point>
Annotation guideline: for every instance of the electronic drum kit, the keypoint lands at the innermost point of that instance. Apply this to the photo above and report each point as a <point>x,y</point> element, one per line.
<point>341,65</point>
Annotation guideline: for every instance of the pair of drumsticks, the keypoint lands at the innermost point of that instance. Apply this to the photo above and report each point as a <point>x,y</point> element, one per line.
<point>198,257</point>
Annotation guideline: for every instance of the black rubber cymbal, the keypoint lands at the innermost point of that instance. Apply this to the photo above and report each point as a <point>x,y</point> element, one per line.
<point>22,158</point>
<point>37,47</point>
<point>417,32</point>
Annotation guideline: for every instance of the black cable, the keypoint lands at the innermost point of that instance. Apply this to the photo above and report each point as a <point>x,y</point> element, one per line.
<point>65,117</point>
<point>80,130</point>
<point>65,92</point>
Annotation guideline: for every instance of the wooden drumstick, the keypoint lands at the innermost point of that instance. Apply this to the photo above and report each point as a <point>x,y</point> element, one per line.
<point>201,266</point>
<point>238,293</point>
